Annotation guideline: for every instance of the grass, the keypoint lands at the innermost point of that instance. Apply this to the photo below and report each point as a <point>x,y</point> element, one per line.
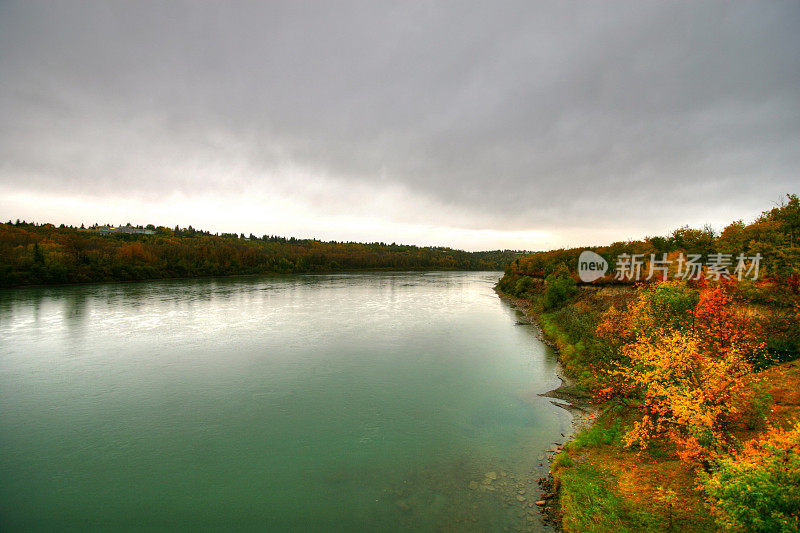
<point>782,386</point>
<point>606,431</point>
<point>589,502</point>
<point>606,487</point>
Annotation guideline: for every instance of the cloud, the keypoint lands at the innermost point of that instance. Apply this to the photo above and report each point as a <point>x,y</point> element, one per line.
<point>552,118</point>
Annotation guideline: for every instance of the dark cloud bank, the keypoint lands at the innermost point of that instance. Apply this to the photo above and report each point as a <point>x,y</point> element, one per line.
<point>636,116</point>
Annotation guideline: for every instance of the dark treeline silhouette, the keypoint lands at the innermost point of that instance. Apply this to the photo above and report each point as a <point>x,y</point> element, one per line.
<point>47,254</point>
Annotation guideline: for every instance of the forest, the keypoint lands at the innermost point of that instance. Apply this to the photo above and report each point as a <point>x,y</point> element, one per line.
<point>692,381</point>
<point>775,236</point>
<point>34,254</point>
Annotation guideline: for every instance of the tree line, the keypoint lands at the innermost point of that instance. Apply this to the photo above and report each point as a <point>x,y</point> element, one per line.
<point>774,236</point>
<point>33,253</point>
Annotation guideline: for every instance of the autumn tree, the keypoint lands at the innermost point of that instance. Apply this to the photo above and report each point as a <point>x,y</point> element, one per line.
<point>688,396</point>
<point>687,358</point>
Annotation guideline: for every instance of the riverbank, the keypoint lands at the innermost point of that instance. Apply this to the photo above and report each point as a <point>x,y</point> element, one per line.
<point>569,397</point>
<point>387,270</point>
<point>612,476</point>
<point>594,482</point>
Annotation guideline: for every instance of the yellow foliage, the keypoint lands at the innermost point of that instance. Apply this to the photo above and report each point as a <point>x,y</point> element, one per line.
<point>689,397</point>
<point>692,373</point>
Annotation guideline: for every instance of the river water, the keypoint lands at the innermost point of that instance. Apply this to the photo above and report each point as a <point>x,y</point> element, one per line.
<point>348,402</point>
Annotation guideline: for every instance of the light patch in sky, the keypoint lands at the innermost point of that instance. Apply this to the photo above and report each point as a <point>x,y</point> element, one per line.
<point>283,217</point>
<point>469,124</point>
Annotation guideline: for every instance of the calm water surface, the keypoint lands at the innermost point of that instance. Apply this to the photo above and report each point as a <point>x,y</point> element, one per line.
<point>337,402</point>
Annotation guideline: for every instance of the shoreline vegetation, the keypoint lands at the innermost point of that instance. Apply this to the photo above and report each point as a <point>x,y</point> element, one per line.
<point>44,254</point>
<point>685,391</point>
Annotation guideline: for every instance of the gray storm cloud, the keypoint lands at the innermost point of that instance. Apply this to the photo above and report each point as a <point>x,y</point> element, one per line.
<point>512,115</point>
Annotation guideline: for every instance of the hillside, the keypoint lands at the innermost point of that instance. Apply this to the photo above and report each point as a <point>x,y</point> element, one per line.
<point>46,254</point>
<point>695,379</point>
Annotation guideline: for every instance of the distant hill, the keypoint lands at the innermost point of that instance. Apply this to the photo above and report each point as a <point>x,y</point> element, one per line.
<point>47,254</point>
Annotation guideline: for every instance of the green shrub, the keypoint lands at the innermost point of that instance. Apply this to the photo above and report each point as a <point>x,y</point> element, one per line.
<point>782,331</point>
<point>673,303</point>
<point>523,285</point>
<point>558,288</point>
<point>759,488</point>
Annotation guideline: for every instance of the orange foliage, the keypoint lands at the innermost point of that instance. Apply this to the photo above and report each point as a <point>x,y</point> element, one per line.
<point>135,252</point>
<point>617,326</point>
<point>718,327</point>
<point>693,373</point>
<point>783,439</point>
<point>690,397</point>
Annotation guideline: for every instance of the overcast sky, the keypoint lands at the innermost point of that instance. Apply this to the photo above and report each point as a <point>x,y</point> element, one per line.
<point>478,125</point>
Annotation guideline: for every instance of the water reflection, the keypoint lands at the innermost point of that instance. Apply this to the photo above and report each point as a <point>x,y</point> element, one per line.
<point>324,403</point>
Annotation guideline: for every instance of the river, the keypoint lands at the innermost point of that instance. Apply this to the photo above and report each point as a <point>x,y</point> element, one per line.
<point>366,401</point>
